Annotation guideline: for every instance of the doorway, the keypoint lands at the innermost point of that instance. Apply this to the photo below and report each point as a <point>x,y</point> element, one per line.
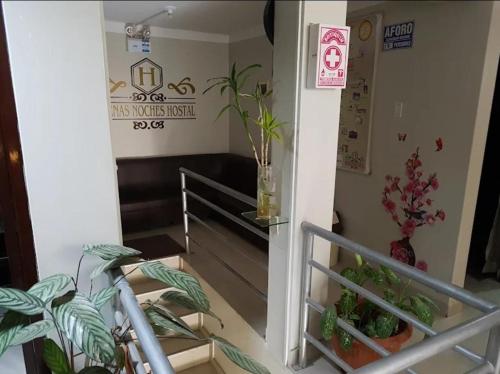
<point>484,254</point>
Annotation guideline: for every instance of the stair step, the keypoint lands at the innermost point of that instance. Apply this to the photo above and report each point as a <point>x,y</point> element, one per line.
<point>206,368</point>
<point>183,353</point>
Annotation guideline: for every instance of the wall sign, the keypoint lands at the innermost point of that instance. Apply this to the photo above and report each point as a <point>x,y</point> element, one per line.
<point>328,56</point>
<point>356,106</point>
<point>147,102</point>
<point>399,35</point>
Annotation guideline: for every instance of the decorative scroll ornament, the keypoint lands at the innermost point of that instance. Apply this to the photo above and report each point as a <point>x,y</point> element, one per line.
<point>182,86</point>
<point>149,125</point>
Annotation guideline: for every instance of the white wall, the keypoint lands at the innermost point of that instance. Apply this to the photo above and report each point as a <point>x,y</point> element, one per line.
<point>57,56</point>
<point>439,80</point>
<point>247,52</point>
<point>196,59</point>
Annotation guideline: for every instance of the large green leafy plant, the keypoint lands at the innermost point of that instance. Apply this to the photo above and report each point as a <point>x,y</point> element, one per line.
<point>76,320</point>
<point>268,124</point>
<point>366,316</point>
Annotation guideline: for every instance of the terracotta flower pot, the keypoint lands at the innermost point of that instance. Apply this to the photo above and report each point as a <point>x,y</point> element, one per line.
<point>360,355</point>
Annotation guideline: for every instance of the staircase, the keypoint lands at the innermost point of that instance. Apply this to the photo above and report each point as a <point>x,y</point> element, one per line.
<point>187,356</point>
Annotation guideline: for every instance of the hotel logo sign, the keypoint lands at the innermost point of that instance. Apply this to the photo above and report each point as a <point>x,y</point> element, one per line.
<point>146,76</point>
<point>146,106</point>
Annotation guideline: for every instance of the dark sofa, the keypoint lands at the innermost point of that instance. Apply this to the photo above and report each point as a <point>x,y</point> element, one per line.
<point>150,189</point>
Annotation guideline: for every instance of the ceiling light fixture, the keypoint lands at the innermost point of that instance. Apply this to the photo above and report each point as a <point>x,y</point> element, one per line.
<point>140,30</point>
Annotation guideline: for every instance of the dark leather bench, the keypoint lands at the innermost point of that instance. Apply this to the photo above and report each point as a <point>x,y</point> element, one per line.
<point>150,189</point>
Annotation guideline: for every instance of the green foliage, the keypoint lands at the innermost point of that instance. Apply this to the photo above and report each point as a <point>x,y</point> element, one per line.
<point>328,322</point>
<point>33,331</point>
<point>20,301</point>
<point>178,279</point>
<point>80,321</point>
<point>241,359</point>
<point>55,358</point>
<point>345,339</point>
<point>368,317</point>
<point>109,251</point>
<point>422,310</point>
<point>48,288</point>
<point>103,296</point>
<point>184,300</point>
<point>10,326</point>
<point>167,322</point>
<point>267,124</point>
<point>113,264</point>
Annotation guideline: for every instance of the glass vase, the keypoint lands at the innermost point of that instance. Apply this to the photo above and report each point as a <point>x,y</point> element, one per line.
<point>266,193</point>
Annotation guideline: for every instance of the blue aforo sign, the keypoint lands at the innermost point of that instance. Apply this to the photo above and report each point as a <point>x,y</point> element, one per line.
<point>399,35</point>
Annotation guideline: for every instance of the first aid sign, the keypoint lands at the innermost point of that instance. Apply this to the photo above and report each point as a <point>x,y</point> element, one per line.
<point>328,56</point>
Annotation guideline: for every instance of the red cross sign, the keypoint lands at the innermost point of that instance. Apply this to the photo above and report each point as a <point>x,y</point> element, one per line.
<point>328,56</point>
<point>333,58</point>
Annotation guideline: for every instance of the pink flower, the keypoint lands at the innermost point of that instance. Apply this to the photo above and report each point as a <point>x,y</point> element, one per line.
<point>399,253</point>
<point>430,219</point>
<point>404,197</point>
<point>441,214</point>
<point>395,218</point>
<point>389,205</point>
<point>408,228</point>
<point>419,174</point>
<point>418,192</point>
<point>428,202</point>
<point>422,265</point>
<point>387,189</point>
<point>388,178</point>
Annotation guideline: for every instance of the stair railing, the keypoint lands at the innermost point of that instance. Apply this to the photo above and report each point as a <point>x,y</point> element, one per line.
<point>187,215</point>
<point>157,359</point>
<point>402,361</point>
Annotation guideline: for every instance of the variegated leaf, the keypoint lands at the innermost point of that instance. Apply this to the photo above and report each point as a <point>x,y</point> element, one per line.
<point>112,264</point>
<point>82,324</point>
<point>33,331</point>
<point>20,301</point>
<point>178,279</point>
<point>164,323</point>
<point>11,323</point>
<point>109,251</point>
<point>184,300</point>
<point>103,296</point>
<point>241,359</point>
<point>48,288</point>
<point>54,358</point>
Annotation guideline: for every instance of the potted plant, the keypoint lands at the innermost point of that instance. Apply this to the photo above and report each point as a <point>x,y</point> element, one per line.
<point>75,318</point>
<point>268,129</point>
<point>385,328</point>
<point>411,208</point>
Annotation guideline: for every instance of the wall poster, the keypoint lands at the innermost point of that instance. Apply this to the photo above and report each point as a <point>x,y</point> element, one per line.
<point>356,108</point>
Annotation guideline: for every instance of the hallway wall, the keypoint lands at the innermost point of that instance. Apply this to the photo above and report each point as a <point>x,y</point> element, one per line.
<point>195,59</point>
<point>439,82</point>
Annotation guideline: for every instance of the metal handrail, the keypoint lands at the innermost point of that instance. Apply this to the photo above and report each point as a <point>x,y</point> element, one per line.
<point>187,215</point>
<point>133,352</point>
<point>394,363</point>
<point>150,345</point>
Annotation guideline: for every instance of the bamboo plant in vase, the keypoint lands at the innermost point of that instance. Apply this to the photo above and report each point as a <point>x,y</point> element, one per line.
<point>267,124</point>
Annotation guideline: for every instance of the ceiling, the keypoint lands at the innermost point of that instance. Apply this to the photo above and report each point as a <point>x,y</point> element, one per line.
<point>221,17</point>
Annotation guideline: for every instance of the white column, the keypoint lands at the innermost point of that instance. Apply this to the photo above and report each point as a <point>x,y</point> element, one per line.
<point>307,162</point>
<point>58,65</point>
